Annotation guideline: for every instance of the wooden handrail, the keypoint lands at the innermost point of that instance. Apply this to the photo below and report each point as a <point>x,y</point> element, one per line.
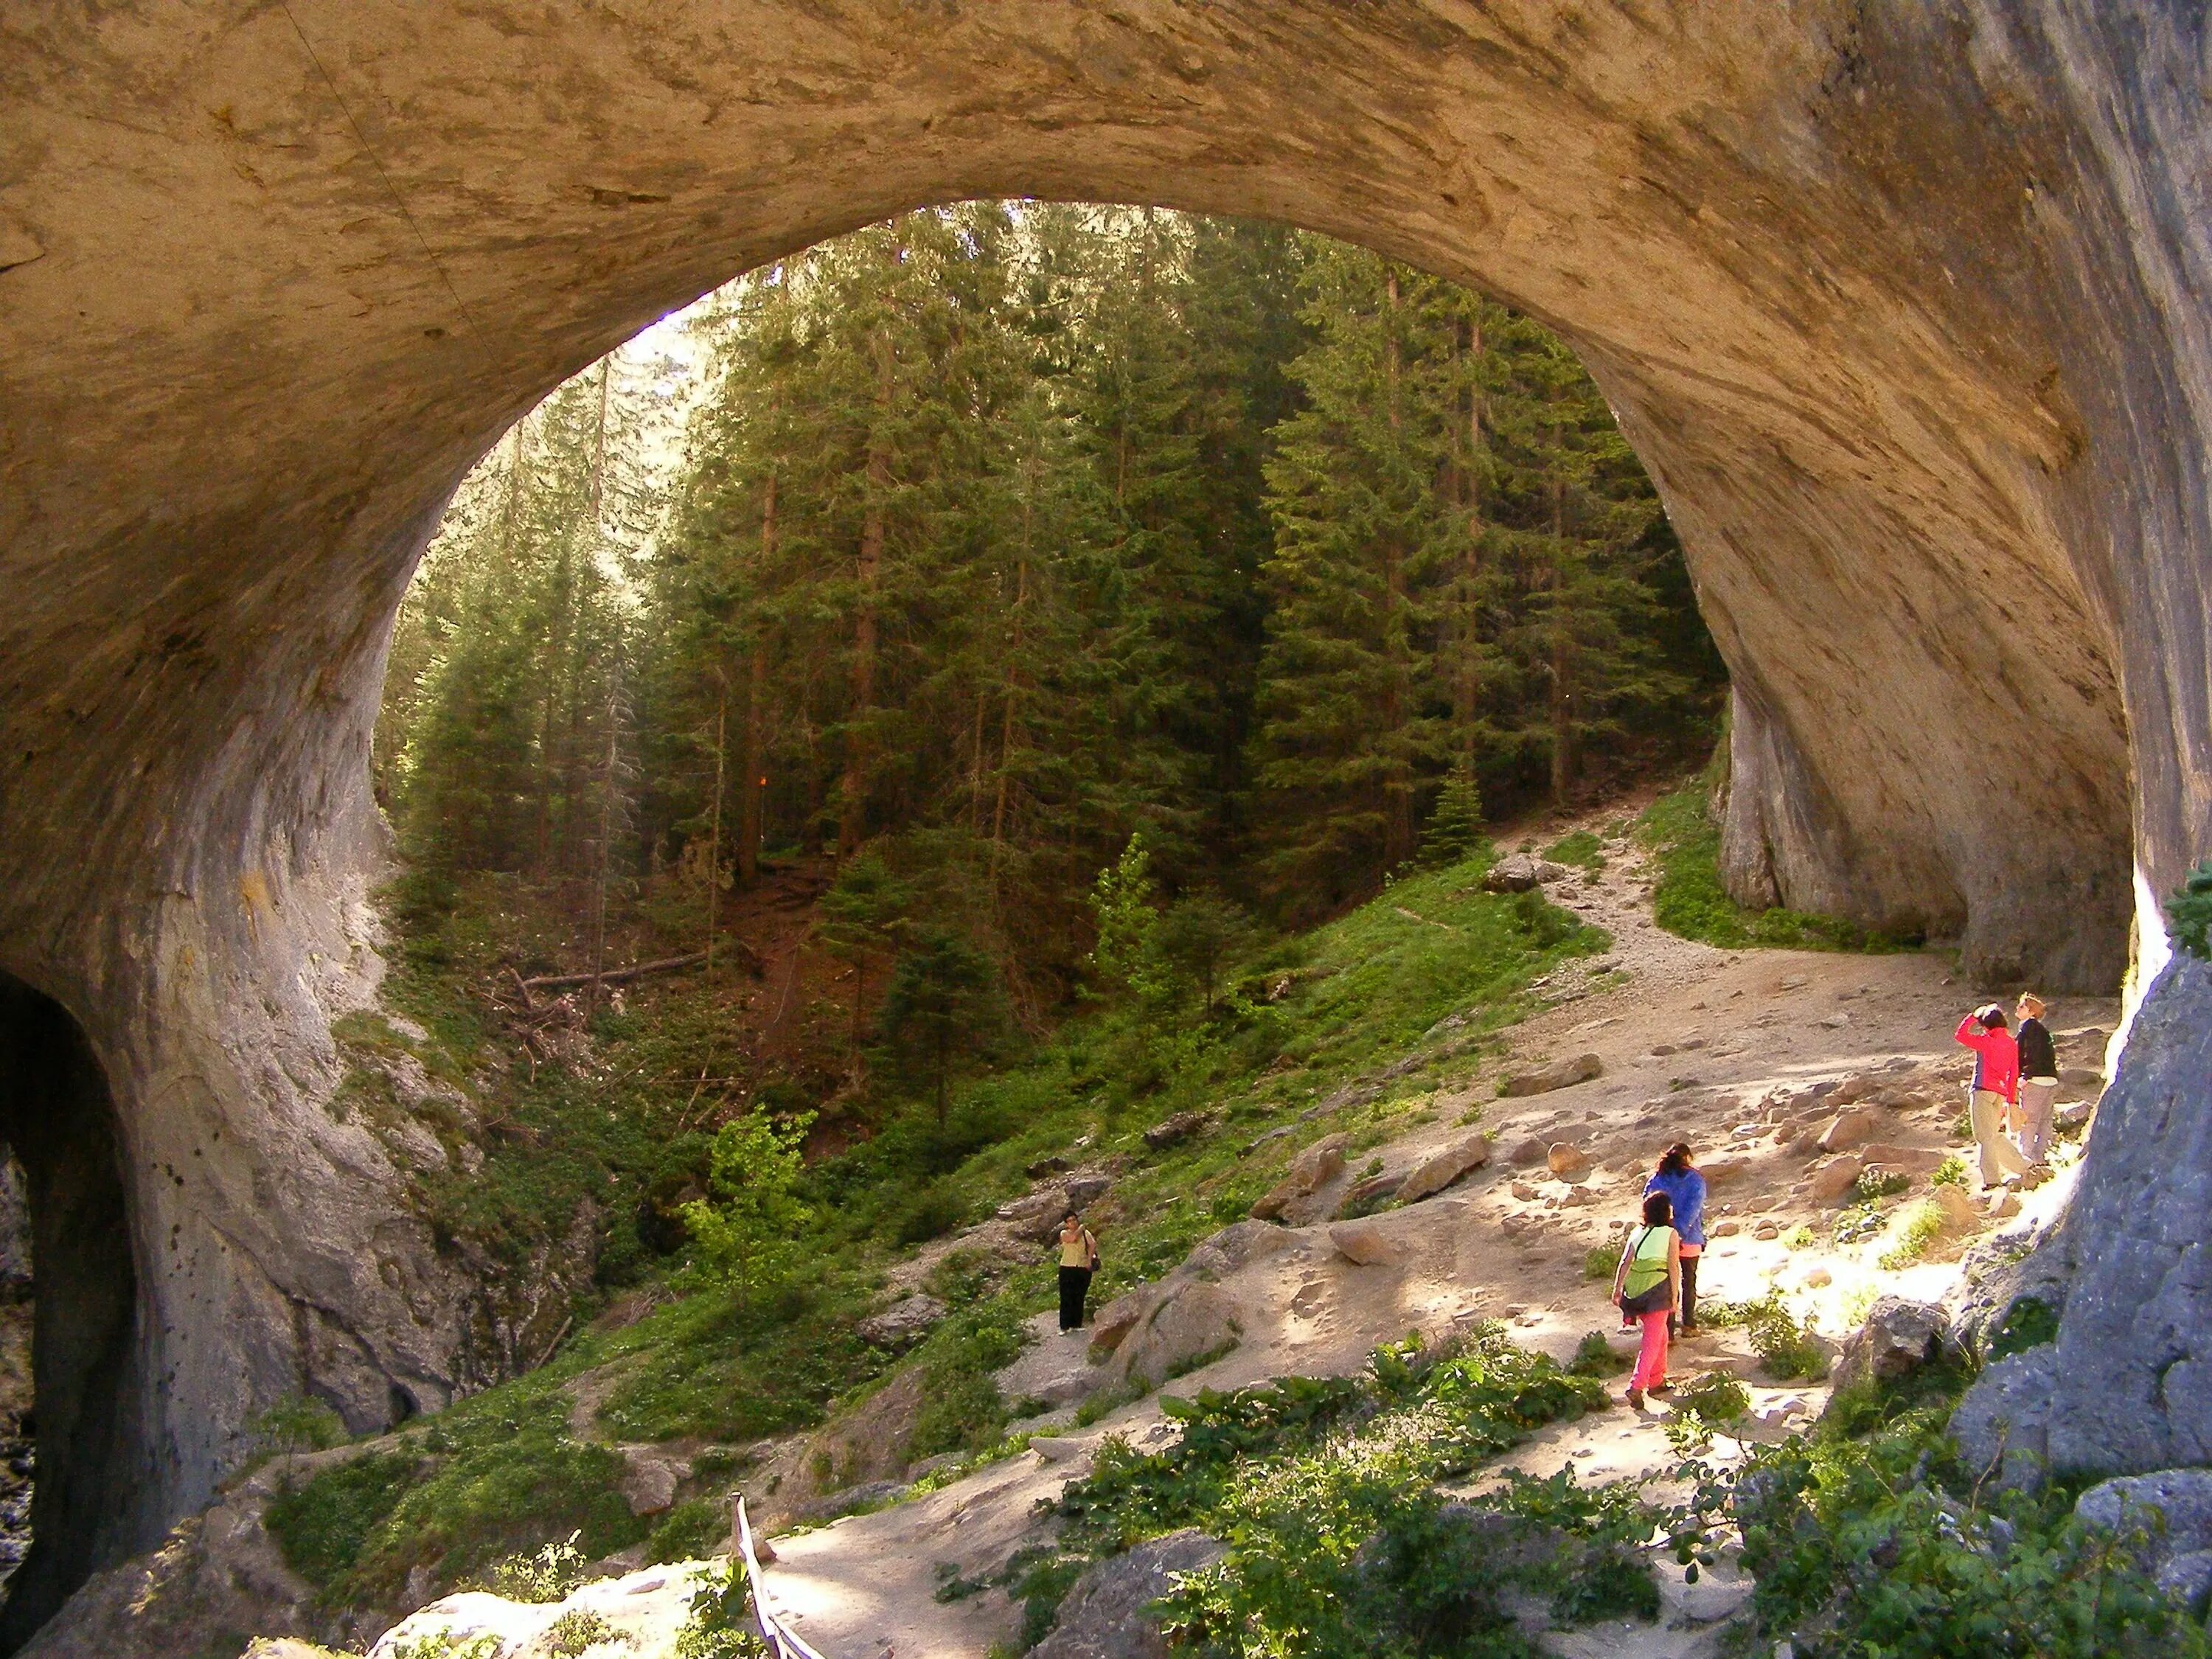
<point>788,1644</point>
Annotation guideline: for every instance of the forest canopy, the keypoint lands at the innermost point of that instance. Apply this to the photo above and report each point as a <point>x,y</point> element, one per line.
<point>1002,533</point>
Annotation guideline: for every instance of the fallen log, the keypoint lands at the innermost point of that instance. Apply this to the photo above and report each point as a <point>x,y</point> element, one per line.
<point>613,976</point>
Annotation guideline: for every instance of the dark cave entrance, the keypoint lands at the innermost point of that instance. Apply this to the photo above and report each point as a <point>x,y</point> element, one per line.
<point>80,1281</point>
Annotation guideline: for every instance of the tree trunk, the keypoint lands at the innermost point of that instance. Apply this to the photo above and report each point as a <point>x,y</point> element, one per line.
<point>749,833</point>
<point>714,822</point>
<point>852,790</point>
<point>755,780</point>
<point>1470,681</point>
<point>1009,695</point>
<point>1397,788</point>
<point>1563,665</point>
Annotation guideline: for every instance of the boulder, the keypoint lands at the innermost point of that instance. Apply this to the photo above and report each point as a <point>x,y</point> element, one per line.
<point>902,1324</point>
<point>649,1480</point>
<point>1111,1325</point>
<point>1899,1337</point>
<point>1530,1152</point>
<point>2003,1423</point>
<point>1364,1242</point>
<point>1367,1194</point>
<point>2186,1581</point>
<point>1854,1127</point>
<point>1908,1160</point>
<point>1720,1170</point>
<point>1176,1129</point>
<point>1830,1182</point>
<point>1567,1161</point>
<point>2169,1513</point>
<point>1233,1246</point>
<point>1559,1074</point>
<point>1105,1615</point>
<point>1196,1321</point>
<point>1440,1169</point>
<point>1515,873</point>
<point>1312,1169</point>
<point>1959,1215</point>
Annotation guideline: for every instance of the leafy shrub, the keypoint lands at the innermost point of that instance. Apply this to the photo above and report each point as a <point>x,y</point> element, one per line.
<point>573,1631</point>
<point>1919,1226</point>
<point>1876,1184</point>
<point>1799,1237</point>
<point>1951,1172</point>
<point>550,1574</point>
<point>1595,1356</point>
<point>1887,1545</point>
<point>2029,1322</point>
<point>2190,910</point>
<point>687,1531</point>
<point>720,1624</point>
<point>1714,1398</point>
<point>1601,1261</point>
<point>1787,1348</point>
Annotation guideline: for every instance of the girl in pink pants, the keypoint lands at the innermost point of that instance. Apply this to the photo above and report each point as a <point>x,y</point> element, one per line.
<point>1648,1287</point>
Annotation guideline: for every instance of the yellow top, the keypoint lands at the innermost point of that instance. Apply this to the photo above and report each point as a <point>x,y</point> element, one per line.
<point>1077,1252</point>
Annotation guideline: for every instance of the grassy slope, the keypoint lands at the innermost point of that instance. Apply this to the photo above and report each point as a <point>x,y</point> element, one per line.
<point>1690,901</point>
<point>501,1473</point>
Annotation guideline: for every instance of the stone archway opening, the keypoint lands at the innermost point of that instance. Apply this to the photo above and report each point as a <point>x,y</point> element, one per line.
<point>57,1118</point>
<point>1902,307</point>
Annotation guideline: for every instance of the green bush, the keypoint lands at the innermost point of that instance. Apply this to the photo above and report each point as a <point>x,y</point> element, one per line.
<point>1595,1356</point>
<point>2029,1322</point>
<point>687,1531</point>
<point>1951,1172</point>
<point>1918,1226</point>
<point>2190,910</point>
<point>1714,1398</point>
<point>1887,1545</point>
<point>1875,1185</point>
<point>1601,1261</point>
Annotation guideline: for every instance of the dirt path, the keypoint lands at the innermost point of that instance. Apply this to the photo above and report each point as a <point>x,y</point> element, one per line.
<point>1697,1043</point>
<point>1745,1054</point>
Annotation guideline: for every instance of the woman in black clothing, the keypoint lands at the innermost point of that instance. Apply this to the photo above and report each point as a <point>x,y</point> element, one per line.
<point>2039,1080</point>
<point>1079,1260</point>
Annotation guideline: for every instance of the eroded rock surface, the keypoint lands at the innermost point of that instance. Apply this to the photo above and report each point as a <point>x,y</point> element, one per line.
<point>1905,308</point>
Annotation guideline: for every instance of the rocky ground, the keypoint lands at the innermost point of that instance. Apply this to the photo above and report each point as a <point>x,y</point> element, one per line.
<point>1792,1073</point>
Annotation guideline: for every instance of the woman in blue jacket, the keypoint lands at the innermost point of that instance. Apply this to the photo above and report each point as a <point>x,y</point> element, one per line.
<point>1685,1189</point>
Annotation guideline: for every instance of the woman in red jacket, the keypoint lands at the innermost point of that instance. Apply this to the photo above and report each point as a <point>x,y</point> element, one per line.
<point>1994,1091</point>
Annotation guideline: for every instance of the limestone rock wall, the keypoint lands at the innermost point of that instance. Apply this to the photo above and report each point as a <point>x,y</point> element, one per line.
<point>1904,306</point>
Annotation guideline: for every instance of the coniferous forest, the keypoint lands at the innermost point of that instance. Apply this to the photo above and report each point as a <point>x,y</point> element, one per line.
<point>998,535</point>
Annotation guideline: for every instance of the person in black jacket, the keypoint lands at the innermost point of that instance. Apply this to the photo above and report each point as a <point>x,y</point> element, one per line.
<point>2038,1079</point>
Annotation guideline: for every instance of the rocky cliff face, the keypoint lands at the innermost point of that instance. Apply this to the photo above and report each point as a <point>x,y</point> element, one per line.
<point>1904,306</point>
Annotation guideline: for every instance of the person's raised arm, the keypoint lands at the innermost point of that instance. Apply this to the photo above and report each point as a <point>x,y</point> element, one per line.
<point>1967,1035</point>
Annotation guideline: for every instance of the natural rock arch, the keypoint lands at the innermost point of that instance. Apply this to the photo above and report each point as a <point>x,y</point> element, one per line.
<point>1905,308</point>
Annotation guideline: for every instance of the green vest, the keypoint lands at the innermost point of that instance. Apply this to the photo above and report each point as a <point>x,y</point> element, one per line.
<point>1646,1267</point>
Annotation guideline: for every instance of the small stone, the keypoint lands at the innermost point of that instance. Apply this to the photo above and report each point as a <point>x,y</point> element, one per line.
<point>1766,1229</point>
<point>1525,1193</point>
<point>1818,1279</point>
<point>1725,1229</point>
<point>1567,1161</point>
<point>1849,1128</point>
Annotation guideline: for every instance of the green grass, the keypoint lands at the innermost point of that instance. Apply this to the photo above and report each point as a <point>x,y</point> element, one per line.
<point>1691,902</point>
<point>1581,848</point>
<point>501,1474</point>
<point>1918,1226</point>
<point>1327,1491</point>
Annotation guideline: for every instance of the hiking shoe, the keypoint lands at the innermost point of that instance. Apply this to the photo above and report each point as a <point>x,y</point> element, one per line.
<point>1635,1399</point>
